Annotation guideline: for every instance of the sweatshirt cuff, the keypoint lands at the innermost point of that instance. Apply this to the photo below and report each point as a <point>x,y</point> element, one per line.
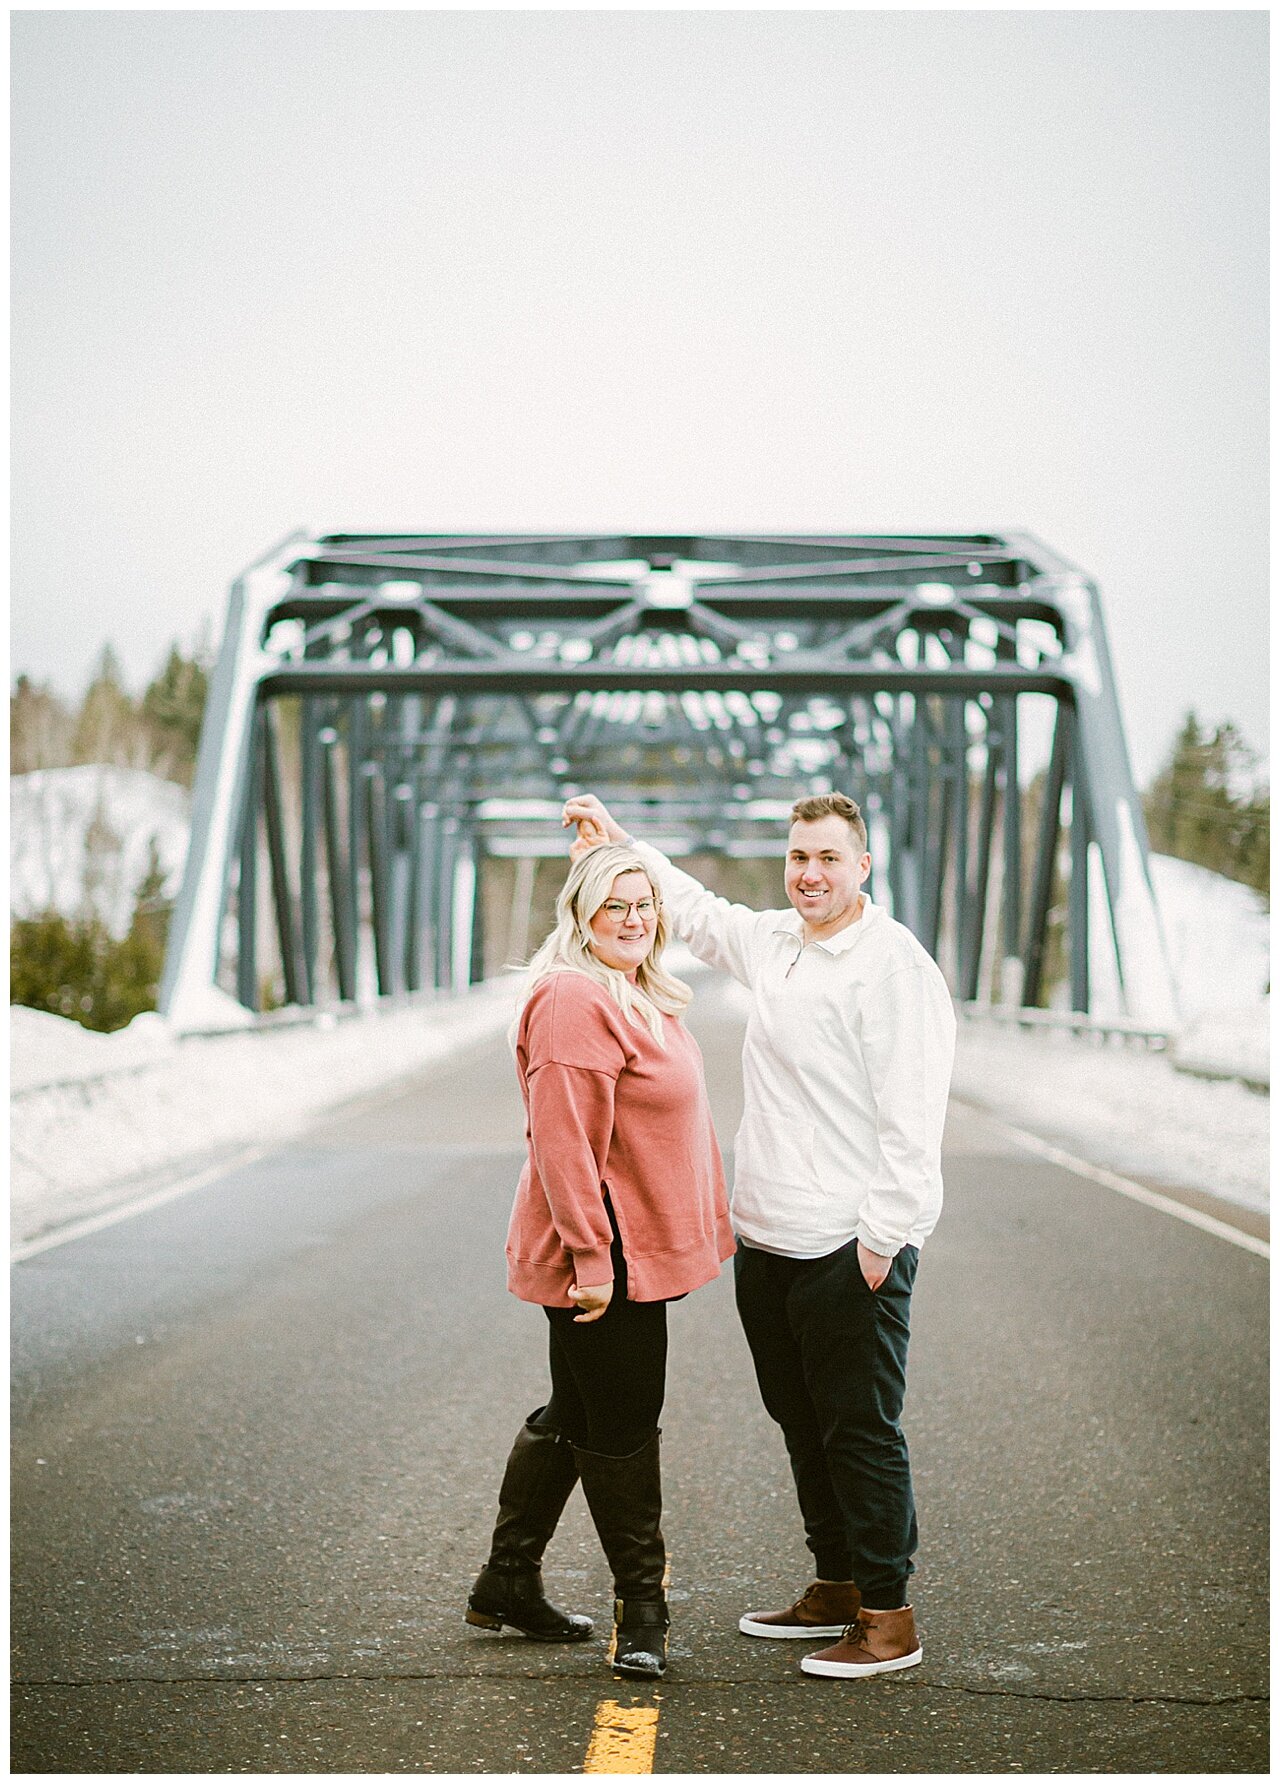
<point>592,1269</point>
<point>878,1243</point>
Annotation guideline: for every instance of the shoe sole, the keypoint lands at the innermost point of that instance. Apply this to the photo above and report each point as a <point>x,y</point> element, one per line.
<point>638,1672</point>
<point>790,1632</point>
<point>482,1620</point>
<point>629,1671</point>
<point>840,1669</point>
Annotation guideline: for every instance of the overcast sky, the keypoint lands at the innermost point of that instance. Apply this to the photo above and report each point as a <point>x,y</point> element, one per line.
<point>824,271</point>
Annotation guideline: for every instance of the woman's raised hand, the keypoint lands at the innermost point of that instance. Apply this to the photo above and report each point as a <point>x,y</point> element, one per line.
<point>590,835</point>
<point>592,1301</point>
<point>593,822</point>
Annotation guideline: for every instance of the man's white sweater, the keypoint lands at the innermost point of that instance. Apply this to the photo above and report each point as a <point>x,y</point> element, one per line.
<point>846,1066</point>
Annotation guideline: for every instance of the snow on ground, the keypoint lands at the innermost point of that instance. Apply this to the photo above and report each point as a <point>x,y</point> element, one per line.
<point>60,859</point>
<point>1228,1044</point>
<point>95,1117</point>
<point>1217,933</point>
<point>1120,1106</point>
<point>47,1049</point>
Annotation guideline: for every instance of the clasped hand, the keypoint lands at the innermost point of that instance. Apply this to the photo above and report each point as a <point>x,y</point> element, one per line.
<point>595,825</point>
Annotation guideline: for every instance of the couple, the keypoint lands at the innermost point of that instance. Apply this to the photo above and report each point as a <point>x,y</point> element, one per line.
<point>621,1208</point>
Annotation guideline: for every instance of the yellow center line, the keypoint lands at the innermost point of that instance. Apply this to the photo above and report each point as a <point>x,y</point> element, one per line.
<point>623,1737</point>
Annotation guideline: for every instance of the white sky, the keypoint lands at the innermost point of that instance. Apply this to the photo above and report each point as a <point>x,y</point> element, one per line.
<point>647,270</point>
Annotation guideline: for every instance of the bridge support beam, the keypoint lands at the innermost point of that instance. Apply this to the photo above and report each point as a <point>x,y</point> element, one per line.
<point>712,679</point>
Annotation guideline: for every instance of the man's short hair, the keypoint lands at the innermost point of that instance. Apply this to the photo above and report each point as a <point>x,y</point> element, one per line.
<point>832,805</point>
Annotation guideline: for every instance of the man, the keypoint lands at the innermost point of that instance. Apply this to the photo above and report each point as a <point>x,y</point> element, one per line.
<point>837,1165</point>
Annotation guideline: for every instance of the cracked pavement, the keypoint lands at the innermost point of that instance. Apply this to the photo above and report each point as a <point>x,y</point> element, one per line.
<point>257,1437</point>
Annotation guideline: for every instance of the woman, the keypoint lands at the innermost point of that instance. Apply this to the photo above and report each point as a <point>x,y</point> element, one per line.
<point>621,1207</point>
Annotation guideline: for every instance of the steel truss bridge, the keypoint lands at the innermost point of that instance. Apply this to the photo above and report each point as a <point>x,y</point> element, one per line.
<point>390,713</point>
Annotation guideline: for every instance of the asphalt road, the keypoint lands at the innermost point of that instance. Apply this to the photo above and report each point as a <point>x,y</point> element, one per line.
<point>258,1432</point>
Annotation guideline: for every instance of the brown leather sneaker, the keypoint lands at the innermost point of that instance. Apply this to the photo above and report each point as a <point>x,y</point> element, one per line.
<point>824,1609</point>
<point>879,1641</point>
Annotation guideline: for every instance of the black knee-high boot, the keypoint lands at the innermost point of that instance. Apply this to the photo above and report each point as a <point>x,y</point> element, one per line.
<point>624,1496</point>
<point>539,1478</point>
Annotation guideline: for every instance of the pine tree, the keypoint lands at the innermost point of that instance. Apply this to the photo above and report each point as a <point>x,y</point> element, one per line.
<point>108,726</point>
<point>1207,805</point>
<point>40,728</point>
<point>54,964</point>
<point>74,967</point>
<point>132,979</point>
<point>173,710</point>
<point>102,851</point>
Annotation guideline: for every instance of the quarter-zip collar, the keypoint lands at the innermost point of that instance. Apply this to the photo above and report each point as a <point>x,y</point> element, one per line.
<point>792,923</point>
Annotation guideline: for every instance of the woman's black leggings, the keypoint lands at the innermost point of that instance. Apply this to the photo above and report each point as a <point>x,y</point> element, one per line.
<point>608,1378</point>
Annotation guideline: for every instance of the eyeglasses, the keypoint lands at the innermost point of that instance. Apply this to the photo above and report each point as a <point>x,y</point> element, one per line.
<point>616,911</point>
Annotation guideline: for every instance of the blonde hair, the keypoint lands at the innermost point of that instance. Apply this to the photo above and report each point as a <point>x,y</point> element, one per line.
<point>654,992</point>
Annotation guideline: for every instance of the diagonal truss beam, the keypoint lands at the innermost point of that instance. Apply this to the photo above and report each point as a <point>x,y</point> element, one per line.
<point>703,681</point>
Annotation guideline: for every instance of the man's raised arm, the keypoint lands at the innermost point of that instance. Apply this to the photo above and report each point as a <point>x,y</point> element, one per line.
<point>719,933</point>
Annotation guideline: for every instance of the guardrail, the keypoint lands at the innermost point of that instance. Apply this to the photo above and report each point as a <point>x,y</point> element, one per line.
<point>1156,1040</point>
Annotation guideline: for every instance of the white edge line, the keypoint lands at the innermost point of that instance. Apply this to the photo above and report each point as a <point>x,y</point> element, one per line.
<point>80,1229</point>
<point>1123,1186</point>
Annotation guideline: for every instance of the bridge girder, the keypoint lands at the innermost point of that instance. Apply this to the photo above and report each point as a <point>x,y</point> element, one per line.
<point>380,700</point>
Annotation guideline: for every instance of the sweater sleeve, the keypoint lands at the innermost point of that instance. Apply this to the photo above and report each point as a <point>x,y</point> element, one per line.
<point>574,1054</point>
<point>719,933</point>
<point>908,1045</point>
<point>570,1126</point>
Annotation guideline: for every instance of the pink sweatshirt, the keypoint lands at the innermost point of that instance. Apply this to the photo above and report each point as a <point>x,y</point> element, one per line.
<point>609,1109</point>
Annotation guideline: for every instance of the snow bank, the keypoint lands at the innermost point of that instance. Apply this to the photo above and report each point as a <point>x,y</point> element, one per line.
<point>46,1049</point>
<point>1228,1044</point>
<point>1122,1107</point>
<point>94,1116</point>
<point>1218,936</point>
<point>61,859</point>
